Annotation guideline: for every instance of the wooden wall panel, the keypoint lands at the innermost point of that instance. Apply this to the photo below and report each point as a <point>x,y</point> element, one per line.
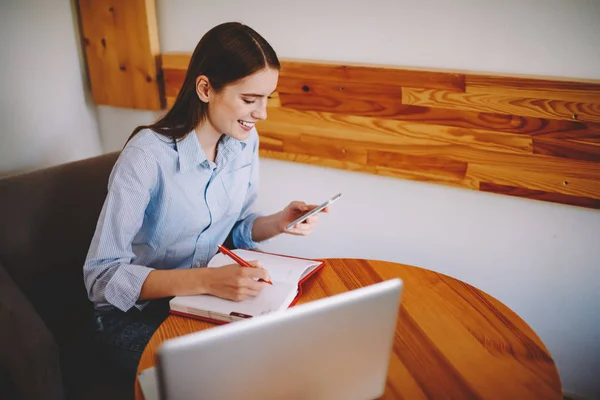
<point>513,135</point>
<point>378,132</point>
<point>578,92</point>
<point>540,195</point>
<point>122,52</point>
<point>376,75</point>
<point>503,104</point>
<point>573,149</point>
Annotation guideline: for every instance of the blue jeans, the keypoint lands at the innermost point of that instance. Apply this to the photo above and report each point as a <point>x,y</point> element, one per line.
<point>122,336</point>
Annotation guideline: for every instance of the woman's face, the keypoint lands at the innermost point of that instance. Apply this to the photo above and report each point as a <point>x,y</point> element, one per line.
<point>237,107</point>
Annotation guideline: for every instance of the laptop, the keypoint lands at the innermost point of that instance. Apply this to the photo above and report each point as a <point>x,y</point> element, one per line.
<point>338,347</point>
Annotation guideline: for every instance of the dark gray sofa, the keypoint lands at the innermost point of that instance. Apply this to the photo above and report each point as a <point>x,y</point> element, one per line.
<point>47,219</point>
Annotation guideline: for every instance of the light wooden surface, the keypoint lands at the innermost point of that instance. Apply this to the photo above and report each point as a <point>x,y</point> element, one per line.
<point>452,340</point>
<point>122,52</point>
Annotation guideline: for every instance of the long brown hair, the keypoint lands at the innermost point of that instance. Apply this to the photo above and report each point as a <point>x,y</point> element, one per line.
<point>225,54</point>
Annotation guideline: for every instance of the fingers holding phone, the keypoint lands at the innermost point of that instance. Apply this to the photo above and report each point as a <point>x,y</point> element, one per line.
<point>301,219</point>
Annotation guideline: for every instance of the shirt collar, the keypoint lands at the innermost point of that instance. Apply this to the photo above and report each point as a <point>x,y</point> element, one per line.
<point>227,149</point>
<point>191,153</point>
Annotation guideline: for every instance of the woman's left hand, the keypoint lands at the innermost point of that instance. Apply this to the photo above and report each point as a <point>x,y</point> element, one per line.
<point>294,211</point>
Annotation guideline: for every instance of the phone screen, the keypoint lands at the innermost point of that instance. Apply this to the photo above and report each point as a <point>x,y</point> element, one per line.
<point>314,211</point>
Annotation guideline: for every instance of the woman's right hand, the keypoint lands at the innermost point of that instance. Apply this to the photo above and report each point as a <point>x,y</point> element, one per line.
<point>233,282</point>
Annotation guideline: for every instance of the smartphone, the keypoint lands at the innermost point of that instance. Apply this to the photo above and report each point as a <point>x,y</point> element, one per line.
<point>314,211</point>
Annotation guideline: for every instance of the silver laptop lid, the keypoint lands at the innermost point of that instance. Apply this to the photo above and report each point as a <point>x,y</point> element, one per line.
<point>338,347</point>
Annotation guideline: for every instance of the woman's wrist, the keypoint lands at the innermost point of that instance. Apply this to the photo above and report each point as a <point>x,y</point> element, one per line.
<point>267,227</point>
<point>167,283</point>
<point>202,280</point>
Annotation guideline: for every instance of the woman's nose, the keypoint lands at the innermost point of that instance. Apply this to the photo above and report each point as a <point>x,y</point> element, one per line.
<point>261,111</point>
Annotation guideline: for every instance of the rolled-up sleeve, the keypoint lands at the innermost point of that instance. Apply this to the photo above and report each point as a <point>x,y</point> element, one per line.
<point>242,230</point>
<point>110,273</point>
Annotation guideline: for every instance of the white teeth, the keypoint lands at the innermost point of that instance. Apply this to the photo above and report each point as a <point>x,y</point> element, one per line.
<point>248,124</point>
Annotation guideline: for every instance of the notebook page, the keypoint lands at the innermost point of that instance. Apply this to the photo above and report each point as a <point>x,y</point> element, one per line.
<point>272,298</point>
<point>281,269</point>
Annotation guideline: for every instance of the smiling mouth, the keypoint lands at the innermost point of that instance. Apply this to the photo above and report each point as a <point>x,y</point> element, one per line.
<point>246,123</point>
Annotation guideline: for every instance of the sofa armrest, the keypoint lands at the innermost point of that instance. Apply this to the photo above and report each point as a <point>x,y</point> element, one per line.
<point>28,354</point>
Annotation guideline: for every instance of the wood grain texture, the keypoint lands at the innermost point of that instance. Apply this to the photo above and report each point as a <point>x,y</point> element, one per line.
<point>573,149</point>
<point>436,166</point>
<point>522,162</point>
<point>384,108</point>
<point>383,133</point>
<point>393,109</point>
<point>558,182</point>
<point>122,52</point>
<point>477,131</point>
<point>579,92</point>
<point>384,75</point>
<point>402,173</point>
<point>540,195</point>
<point>173,79</point>
<point>452,340</point>
<point>503,104</point>
<point>341,90</point>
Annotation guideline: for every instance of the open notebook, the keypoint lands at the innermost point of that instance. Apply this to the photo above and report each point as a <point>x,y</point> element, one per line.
<point>287,275</point>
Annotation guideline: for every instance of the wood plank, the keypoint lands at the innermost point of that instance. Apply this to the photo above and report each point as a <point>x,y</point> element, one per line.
<point>579,92</point>
<point>309,86</point>
<point>540,195</point>
<point>573,149</point>
<point>420,172</point>
<point>348,72</point>
<point>336,104</point>
<point>316,160</point>
<point>442,116</point>
<point>122,52</point>
<point>173,80</point>
<point>270,142</point>
<point>495,103</point>
<point>383,132</point>
<point>438,167</point>
<point>176,60</point>
<point>324,147</point>
<point>415,175</point>
<point>174,68</point>
<point>523,163</point>
<point>582,173</point>
<point>314,146</point>
<point>379,75</point>
<point>539,180</point>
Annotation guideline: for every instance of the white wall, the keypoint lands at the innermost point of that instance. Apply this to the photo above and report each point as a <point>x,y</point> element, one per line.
<point>538,258</point>
<point>45,116</point>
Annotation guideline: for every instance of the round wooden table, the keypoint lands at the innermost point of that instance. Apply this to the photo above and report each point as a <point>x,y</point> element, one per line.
<point>452,340</point>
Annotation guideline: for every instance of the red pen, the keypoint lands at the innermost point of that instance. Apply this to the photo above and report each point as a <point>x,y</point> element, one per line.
<point>239,260</point>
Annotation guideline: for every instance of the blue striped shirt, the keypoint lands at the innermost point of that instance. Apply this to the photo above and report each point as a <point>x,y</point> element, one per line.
<point>168,207</point>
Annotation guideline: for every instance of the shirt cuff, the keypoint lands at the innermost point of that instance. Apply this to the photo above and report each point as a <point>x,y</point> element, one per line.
<point>125,285</point>
<point>242,233</point>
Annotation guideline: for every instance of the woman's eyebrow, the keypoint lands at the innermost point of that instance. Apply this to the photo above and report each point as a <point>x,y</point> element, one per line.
<point>256,94</point>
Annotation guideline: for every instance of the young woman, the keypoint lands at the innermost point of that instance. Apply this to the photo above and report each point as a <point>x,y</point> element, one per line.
<point>181,187</point>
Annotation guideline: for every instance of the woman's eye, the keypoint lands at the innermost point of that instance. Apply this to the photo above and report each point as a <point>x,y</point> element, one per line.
<point>249,101</point>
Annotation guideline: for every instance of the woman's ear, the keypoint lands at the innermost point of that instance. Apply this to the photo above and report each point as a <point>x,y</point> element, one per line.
<point>203,88</point>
